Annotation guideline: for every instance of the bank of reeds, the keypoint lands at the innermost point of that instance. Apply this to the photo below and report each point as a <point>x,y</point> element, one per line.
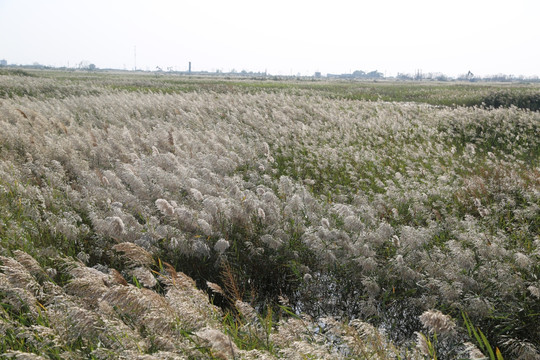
<point>155,225</point>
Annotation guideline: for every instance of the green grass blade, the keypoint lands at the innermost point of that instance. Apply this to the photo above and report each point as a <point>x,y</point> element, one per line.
<point>466,320</point>
<point>487,344</point>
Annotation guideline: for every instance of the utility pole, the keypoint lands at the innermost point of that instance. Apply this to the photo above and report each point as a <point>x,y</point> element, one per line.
<point>135,57</point>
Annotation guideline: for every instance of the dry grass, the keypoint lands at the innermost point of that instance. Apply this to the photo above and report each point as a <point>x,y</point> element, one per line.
<point>116,204</point>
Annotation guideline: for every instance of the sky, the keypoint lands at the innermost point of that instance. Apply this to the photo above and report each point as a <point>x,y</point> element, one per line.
<point>287,37</point>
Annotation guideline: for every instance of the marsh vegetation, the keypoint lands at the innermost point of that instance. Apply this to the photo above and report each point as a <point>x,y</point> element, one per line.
<point>167,217</point>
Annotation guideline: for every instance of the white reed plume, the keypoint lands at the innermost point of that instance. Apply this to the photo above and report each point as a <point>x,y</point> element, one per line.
<point>134,255</point>
<point>422,344</point>
<point>247,311</point>
<point>436,322</point>
<point>221,245</point>
<point>144,276</point>
<point>197,195</point>
<point>164,206</point>
<point>261,214</point>
<point>222,344</point>
<point>473,352</point>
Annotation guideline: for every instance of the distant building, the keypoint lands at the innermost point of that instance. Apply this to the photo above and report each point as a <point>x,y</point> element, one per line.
<point>3,62</point>
<point>317,74</point>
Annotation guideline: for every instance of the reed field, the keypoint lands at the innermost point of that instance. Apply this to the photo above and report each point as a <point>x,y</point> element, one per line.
<point>148,216</point>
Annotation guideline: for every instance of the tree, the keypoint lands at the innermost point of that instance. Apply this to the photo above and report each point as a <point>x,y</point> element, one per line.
<point>374,74</point>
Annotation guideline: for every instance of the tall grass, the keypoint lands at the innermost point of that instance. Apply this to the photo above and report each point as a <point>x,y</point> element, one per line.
<point>177,220</point>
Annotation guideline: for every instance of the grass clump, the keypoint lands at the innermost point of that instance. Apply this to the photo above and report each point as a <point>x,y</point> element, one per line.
<point>519,99</point>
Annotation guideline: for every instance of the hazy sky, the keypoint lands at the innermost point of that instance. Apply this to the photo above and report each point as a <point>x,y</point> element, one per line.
<point>280,36</point>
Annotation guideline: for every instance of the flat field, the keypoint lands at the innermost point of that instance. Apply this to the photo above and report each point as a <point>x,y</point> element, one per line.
<point>148,216</point>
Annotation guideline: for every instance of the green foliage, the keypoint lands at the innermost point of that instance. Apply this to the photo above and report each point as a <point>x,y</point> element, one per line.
<point>519,99</point>
<point>15,72</point>
<point>478,336</point>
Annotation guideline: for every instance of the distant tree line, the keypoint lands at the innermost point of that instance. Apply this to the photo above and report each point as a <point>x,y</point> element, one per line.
<point>359,74</point>
<point>469,76</point>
